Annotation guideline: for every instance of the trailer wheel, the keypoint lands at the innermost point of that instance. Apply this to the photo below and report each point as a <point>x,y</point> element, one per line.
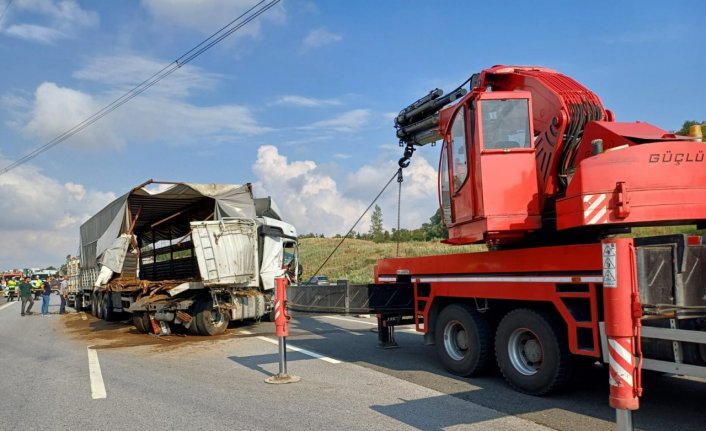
<point>95,305</point>
<point>532,352</point>
<point>78,302</point>
<point>142,322</point>
<point>209,321</point>
<point>106,305</point>
<point>463,340</point>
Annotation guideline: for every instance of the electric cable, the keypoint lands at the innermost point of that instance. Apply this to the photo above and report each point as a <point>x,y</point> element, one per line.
<point>245,18</point>
<point>2,15</point>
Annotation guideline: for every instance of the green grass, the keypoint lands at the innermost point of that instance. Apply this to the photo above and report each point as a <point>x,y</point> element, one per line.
<point>355,259</point>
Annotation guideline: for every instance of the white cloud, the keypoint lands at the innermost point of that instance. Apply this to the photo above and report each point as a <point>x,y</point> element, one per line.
<point>307,102</point>
<point>207,16</point>
<point>347,122</point>
<point>309,198</point>
<point>320,37</point>
<point>419,191</point>
<point>161,114</point>
<point>35,33</point>
<point>41,217</point>
<point>313,202</point>
<point>125,72</point>
<point>45,21</point>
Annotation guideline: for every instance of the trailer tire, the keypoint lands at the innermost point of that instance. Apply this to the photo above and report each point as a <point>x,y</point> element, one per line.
<point>193,311</point>
<point>106,305</point>
<point>532,352</point>
<point>142,322</point>
<point>209,321</point>
<point>95,309</point>
<point>78,302</point>
<point>464,340</point>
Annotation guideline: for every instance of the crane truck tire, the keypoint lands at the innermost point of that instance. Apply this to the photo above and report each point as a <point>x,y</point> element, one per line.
<point>464,340</point>
<point>209,321</point>
<point>532,352</point>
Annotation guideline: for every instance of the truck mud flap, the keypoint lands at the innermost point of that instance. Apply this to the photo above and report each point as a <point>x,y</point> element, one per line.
<point>347,298</point>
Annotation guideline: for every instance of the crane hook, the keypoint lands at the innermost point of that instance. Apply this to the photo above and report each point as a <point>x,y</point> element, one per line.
<point>405,160</point>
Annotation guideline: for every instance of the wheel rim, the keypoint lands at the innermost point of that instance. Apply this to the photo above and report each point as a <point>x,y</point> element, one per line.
<point>525,351</point>
<point>217,318</point>
<point>455,340</point>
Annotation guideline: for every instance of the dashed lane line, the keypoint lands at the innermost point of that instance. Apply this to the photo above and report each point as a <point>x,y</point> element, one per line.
<point>296,349</point>
<point>94,371</point>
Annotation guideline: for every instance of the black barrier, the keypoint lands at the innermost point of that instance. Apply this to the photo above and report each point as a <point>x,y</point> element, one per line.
<point>346,298</point>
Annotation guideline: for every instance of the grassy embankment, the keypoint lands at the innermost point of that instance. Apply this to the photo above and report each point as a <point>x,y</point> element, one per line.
<point>355,258</point>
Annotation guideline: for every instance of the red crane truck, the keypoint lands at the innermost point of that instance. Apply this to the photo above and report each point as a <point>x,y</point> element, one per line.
<point>534,166</point>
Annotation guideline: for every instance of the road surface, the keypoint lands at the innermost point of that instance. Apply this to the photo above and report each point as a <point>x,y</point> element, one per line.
<point>77,372</point>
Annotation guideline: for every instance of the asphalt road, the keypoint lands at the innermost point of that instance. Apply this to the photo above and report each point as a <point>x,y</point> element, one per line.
<point>146,382</point>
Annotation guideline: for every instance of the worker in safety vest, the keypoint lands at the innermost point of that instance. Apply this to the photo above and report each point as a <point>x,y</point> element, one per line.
<point>37,287</point>
<point>11,284</point>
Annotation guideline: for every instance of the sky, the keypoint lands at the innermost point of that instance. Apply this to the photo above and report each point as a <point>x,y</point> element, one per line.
<point>299,101</point>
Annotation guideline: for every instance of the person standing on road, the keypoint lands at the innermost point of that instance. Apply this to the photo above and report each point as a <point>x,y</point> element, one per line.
<point>46,291</point>
<point>11,284</point>
<point>25,292</point>
<point>63,292</point>
<point>37,285</point>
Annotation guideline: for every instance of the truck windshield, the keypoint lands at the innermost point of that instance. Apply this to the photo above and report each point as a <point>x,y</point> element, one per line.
<point>505,124</point>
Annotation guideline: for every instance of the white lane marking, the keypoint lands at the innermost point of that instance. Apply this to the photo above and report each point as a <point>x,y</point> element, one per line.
<point>304,351</point>
<point>83,316</point>
<point>2,307</point>
<point>94,371</point>
<point>296,349</point>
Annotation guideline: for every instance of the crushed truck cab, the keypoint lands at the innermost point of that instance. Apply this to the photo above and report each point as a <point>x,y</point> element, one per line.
<point>195,256</point>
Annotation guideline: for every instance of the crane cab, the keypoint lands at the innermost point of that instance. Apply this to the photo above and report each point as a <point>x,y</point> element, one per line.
<point>488,187</point>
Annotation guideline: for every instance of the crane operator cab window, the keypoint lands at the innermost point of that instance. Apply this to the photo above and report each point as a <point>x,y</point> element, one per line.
<point>458,149</point>
<point>505,124</point>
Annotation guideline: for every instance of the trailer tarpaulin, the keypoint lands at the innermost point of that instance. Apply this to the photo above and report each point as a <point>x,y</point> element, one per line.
<point>144,208</point>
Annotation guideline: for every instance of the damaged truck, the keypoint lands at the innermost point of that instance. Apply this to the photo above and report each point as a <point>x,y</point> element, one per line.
<point>184,256</point>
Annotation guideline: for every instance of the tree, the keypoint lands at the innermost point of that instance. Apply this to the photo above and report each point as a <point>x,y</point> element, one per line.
<point>376,229</point>
<point>435,229</point>
<point>684,131</point>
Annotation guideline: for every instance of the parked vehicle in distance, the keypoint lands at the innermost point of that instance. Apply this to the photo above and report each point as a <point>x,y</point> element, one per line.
<point>320,280</point>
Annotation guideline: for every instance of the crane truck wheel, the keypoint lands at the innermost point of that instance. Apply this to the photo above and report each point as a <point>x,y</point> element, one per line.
<point>209,321</point>
<point>464,340</point>
<point>532,352</point>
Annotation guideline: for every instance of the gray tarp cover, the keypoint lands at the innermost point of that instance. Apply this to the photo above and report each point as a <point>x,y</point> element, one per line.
<point>101,231</point>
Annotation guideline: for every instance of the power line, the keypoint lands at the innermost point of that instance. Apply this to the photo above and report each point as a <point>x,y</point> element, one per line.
<point>185,58</point>
<point>2,15</point>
